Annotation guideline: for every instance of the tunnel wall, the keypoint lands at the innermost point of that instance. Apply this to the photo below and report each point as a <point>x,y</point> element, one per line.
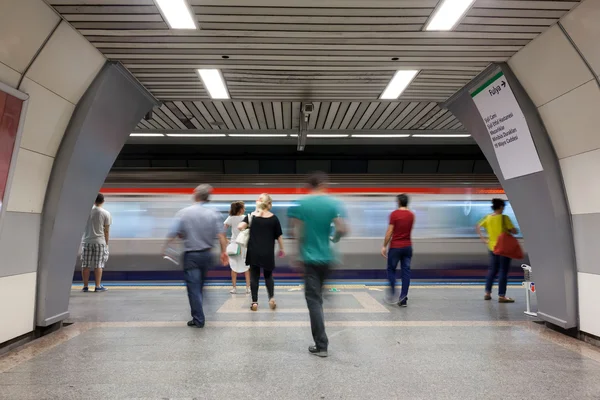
<point>560,71</point>
<point>54,65</point>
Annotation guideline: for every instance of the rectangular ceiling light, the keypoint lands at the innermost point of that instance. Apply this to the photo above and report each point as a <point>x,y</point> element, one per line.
<point>398,84</point>
<point>448,14</point>
<point>381,136</point>
<point>426,135</point>
<point>146,135</point>
<point>327,136</point>
<point>263,135</point>
<point>177,13</point>
<point>196,135</point>
<point>214,83</point>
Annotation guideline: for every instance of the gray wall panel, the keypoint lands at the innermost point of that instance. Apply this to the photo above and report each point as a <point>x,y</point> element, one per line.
<point>349,166</point>
<point>308,166</point>
<point>132,164</point>
<point>214,166</point>
<point>169,164</point>
<point>277,166</point>
<point>18,240</point>
<point>385,166</point>
<point>242,167</point>
<point>109,110</point>
<point>456,167</point>
<point>539,202</point>
<point>420,166</point>
<point>585,231</point>
<point>482,167</point>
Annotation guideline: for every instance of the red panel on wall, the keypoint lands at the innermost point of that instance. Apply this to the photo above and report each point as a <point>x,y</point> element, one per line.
<point>10,112</point>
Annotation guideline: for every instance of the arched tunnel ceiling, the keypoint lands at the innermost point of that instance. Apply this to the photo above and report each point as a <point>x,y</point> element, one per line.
<point>339,54</point>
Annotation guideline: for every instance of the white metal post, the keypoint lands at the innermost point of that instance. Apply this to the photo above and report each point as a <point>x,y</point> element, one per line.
<point>527,284</point>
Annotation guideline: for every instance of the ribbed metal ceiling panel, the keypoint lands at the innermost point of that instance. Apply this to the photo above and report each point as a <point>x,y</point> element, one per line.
<point>339,54</point>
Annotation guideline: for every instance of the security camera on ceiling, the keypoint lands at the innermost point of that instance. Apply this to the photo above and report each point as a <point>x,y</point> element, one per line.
<point>307,109</point>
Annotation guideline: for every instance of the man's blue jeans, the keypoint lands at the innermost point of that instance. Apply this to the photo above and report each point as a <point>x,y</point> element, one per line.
<point>195,267</point>
<point>403,256</point>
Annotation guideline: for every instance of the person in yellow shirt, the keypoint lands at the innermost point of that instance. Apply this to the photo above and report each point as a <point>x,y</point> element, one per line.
<point>495,224</point>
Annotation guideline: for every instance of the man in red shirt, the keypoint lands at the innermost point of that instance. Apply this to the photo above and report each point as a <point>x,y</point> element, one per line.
<point>398,232</point>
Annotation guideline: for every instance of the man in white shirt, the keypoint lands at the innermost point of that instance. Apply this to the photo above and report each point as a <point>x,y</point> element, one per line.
<point>95,244</point>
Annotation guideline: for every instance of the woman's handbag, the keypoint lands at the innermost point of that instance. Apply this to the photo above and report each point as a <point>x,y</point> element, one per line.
<point>244,236</point>
<point>234,249</point>
<point>508,245</point>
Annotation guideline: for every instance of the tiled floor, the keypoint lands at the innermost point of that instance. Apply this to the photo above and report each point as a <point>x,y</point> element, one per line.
<point>448,344</point>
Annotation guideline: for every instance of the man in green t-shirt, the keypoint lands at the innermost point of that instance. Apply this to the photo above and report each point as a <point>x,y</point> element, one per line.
<point>312,218</point>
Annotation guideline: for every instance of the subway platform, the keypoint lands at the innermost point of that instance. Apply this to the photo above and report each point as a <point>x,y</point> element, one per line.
<point>133,343</point>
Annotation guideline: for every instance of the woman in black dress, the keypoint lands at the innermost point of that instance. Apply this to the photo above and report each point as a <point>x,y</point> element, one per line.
<point>265,229</point>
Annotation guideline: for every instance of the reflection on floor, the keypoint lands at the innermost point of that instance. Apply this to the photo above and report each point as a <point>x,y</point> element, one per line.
<point>448,344</point>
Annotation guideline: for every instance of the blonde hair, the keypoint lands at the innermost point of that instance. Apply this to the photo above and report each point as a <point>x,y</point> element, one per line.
<point>266,202</point>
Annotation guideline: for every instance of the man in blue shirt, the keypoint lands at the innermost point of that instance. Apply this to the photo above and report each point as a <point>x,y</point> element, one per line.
<point>198,226</point>
<point>312,219</point>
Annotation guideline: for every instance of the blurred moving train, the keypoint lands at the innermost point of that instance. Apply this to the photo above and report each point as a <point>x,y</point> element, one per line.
<point>447,208</point>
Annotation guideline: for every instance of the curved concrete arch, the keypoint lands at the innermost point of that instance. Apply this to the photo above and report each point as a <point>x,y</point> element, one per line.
<point>111,107</point>
<point>538,199</point>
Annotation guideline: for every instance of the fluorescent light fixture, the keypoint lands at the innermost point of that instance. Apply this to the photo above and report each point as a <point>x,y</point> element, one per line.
<point>381,136</point>
<point>263,135</point>
<point>398,84</point>
<point>214,83</point>
<point>448,14</point>
<point>196,135</point>
<point>327,136</point>
<point>423,135</point>
<point>146,135</point>
<point>177,13</point>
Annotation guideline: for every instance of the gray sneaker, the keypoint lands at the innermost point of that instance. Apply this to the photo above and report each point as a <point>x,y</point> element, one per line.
<point>317,352</point>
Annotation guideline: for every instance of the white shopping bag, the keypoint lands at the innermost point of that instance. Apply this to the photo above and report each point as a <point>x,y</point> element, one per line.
<point>172,255</point>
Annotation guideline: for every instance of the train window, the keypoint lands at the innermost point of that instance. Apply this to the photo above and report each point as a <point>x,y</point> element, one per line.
<point>151,218</point>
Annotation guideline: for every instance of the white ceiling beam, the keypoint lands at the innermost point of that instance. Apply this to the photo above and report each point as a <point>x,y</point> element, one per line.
<point>306,34</point>
<point>302,46</point>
